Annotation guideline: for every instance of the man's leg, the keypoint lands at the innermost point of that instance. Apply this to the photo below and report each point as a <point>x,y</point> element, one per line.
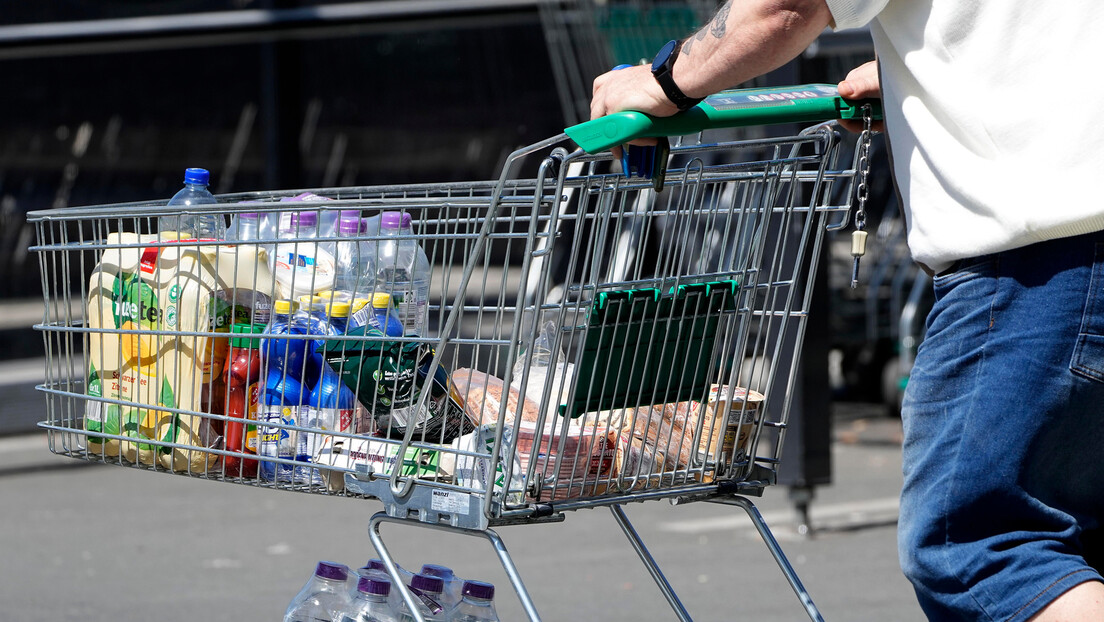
<point>1082,603</point>
<point>1003,425</point>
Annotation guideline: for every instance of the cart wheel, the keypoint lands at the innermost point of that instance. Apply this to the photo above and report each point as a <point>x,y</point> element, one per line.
<point>891,387</point>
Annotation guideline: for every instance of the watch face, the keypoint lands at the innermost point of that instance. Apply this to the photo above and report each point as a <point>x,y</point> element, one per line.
<point>663,55</point>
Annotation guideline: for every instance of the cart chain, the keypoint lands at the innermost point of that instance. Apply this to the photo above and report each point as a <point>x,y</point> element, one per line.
<point>858,236</point>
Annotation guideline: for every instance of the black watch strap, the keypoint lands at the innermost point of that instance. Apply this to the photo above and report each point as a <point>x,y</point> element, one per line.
<point>662,65</point>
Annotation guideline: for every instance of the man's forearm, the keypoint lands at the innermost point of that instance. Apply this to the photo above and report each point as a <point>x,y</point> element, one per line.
<point>745,39</point>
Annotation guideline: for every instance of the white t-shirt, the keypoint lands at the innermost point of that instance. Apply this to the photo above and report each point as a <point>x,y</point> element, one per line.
<point>995,116</point>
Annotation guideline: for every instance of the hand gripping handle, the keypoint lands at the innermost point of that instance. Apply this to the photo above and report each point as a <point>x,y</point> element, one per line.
<point>808,103</point>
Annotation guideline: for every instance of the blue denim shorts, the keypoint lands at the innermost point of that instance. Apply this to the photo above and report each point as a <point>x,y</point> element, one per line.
<point>1004,434</point>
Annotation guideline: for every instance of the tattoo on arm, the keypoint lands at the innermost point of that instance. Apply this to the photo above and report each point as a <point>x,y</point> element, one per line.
<point>716,27</point>
<point>720,20</point>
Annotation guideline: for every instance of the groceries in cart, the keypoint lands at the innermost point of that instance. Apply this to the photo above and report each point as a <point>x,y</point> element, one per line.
<point>146,301</point>
<point>402,270</point>
<point>302,264</point>
<point>388,376</point>
<point>153,374</point>
<point>368,594</point>
<point>242,378</point>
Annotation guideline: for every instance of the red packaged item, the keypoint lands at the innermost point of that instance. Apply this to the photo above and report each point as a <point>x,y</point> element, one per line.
<point>243,377</point>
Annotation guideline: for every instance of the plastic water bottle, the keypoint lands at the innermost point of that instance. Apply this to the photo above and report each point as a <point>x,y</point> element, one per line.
<point>194,226</point>
<point>380,316</point>
<point>331,407</point>
<point>286,356</point>
<point>354,267</point>
<point>301,264</point>
<point>402,270</point>
<point>283,394</point>
<point>451,594</point>
<point>323,596</point>
<point>282,402</point>
<point>372,602</point>
<point>476,604</point>
<point>427,592</point>
<point>313,318</point>
<point>244,227</point>
<point>374,569</point>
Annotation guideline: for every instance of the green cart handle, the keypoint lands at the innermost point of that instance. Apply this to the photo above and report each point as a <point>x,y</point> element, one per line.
<point>807,103</point>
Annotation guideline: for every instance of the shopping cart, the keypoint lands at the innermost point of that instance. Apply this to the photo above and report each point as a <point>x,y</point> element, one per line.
<point>542,385</point>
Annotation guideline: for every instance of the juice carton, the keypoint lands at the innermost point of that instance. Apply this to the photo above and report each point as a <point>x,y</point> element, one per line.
<point>144,298</point>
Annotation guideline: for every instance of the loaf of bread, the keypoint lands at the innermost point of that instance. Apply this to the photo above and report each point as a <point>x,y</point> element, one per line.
<point>482,394</point>
<point>666,428</point>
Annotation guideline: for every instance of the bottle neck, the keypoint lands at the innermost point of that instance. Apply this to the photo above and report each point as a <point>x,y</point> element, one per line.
<point>329,585</point>
<point>373,598</point>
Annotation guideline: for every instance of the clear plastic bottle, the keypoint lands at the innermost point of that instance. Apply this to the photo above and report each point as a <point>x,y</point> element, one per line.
<point>282,400</point>
<point>194,226</point>
<point>301,264</point>
<point>372,602</point>
<point>244,227</point>
<point>402,270</point>
<point>453,584</point>
<point>283,394</point>
<point>380,315</point>
<point>476,604</point>
<point>331,406</point>
<point>355,274</point>
<point>314,319</point>
<point>286,356</point>
<point>375,568</point>
<point>427,591</point>
<point>323,597</point>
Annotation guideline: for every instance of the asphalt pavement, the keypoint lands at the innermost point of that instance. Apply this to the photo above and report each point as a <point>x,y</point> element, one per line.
<point>102,543</point>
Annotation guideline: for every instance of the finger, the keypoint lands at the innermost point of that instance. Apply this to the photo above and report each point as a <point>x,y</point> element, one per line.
<point>861,82</point>
<point>859,88</point>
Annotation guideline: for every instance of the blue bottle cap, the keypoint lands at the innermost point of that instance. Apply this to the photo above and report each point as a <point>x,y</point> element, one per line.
<point>197,176</point>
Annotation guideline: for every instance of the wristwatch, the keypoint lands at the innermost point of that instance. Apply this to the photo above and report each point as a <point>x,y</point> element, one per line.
<point>662,65</point>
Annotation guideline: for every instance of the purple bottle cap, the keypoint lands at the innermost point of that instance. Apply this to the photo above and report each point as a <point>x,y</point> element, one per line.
<point>250,215</point>
<point>426,583</point>
<point>332,570</point>
<point>374,585</point>
<point>347,226</point>
<point>407,220</point>
<point>478,589</point>
<point>374,564</point>
<point>391,220</point>
<point>434,570</point>
<point>304,219</point>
